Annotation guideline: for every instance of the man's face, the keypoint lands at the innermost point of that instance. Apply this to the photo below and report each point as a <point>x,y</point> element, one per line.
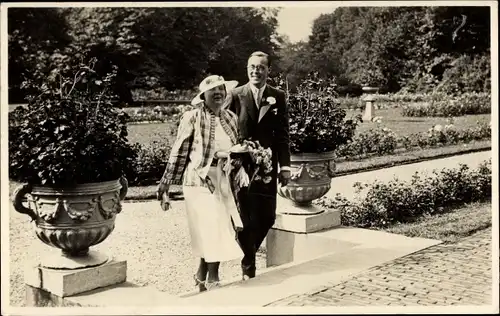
<point>257,70</point>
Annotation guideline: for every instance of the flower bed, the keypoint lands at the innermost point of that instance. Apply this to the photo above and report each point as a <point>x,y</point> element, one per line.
<point>388,203</point>
<point>383,141</point>
<point>465,104</point>
<point>391,100</point>
<point>157,114</point>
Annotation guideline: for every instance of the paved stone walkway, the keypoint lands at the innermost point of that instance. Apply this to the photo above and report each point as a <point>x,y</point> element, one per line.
<point>446,274</point>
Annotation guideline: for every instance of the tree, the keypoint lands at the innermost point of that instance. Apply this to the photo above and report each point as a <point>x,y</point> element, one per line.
<point>107,34</point>
<point>182,45</point>
<point>33,35</point>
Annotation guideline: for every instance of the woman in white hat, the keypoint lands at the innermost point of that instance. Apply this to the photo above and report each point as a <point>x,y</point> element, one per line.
<point>205,134</point>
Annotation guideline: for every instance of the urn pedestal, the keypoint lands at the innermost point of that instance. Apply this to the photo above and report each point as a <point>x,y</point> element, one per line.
<point>297,219</point>
<point>72,219</point>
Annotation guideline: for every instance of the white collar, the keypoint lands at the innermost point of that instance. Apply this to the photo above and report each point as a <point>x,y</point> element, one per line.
<point>255,89</point>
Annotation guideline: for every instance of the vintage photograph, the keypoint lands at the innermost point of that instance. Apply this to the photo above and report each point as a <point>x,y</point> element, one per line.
<point>293,157</point>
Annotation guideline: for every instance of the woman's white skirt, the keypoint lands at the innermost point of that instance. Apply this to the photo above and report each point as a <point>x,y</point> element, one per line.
<point>212,235</point>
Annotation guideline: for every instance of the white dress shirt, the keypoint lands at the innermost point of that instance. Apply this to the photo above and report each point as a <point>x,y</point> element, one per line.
<point>257,94</point>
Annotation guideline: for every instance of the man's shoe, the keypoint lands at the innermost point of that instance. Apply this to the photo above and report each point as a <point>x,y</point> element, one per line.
<point>248,273</point>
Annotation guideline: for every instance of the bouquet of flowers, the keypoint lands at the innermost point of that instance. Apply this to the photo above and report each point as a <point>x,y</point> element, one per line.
<point>248,162</point>
<point>254,159</point>
<point>261,161</point>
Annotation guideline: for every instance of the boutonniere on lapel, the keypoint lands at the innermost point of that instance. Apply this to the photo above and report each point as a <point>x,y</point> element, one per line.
<point>270,100</point>
<point>266,105</point>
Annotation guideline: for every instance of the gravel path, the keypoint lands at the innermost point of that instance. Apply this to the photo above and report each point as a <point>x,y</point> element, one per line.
<point>155,244</point>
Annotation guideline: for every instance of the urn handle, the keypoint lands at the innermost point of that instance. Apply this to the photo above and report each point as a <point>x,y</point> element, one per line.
<point>124,189</point>
<point>19,196</point>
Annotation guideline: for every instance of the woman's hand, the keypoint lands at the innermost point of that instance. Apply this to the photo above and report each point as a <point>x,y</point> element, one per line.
<point>162,196</point>
<point>221,154</point>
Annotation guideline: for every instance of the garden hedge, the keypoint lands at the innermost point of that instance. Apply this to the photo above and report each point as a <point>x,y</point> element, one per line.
<point>389,203</point>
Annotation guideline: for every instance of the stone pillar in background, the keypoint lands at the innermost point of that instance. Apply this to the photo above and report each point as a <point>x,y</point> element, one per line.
<point>369,100</point>
<point>369,108</point>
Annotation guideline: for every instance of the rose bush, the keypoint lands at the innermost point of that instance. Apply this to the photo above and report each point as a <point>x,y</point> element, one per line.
<point>465,104</point>
<point>383,141</point>
<point>397,201</point>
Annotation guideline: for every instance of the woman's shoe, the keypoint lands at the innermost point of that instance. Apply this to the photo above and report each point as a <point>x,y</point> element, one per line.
<point>200,284</point>
<point>212,285</point>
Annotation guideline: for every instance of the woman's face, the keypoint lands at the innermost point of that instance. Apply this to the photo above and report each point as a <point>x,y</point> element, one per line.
<point>215,96</point>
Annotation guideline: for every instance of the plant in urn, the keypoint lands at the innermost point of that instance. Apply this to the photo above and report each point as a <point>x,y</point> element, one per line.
<point>69,147</point>
<point>317,127</point>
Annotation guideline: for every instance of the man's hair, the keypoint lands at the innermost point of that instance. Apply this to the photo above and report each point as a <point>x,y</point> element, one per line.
<point>261,54</point>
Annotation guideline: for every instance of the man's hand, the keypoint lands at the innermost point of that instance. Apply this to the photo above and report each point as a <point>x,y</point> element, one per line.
<point>284,177</point>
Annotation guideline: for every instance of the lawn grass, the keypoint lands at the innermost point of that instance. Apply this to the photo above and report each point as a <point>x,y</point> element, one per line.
<point>391,118</point>
<point>448,227</point>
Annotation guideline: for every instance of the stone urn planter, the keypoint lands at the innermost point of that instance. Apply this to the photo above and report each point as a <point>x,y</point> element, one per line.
<point>72,219</point>
<point>311,177</point>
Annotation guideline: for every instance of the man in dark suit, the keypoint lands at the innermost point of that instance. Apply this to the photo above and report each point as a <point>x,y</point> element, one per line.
<point>262,116</point>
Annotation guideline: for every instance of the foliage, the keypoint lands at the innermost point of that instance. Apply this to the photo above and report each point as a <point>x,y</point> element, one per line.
<point>419,49</point>
<point>380,140</point>
<point>317,122</point>
<point>70,132</point>
<point>200,41</point>
<point>465,104</point>
<point>34,33</point>
<point>150,163</point>
<point>153,48</point>
<point>396,201</point>
<point>383,141</point>
<point>467,75</point>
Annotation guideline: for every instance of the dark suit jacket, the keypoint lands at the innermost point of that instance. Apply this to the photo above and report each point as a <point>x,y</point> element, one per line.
<point>271,131</point>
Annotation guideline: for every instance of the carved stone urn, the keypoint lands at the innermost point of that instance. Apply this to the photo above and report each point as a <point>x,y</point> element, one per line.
<point>72,219</point>
<point>311,176</point>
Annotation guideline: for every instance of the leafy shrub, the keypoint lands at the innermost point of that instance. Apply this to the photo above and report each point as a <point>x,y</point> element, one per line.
<point>397,201</point>
<point>380,140</point>
<point>150,163</point>
<point>70,132</point>
<point>447,135</point>
<point>383,141</point>
<point>466,104</point>
<point>317,122</point>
